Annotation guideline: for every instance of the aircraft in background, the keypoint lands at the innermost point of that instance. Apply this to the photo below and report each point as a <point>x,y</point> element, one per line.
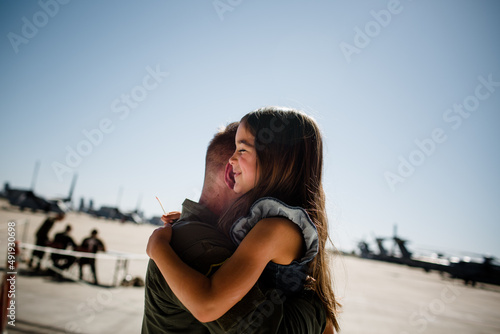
<point>485,270</point>
<point>114,213</point>
<point>481,270</point>
<point>27,199</point>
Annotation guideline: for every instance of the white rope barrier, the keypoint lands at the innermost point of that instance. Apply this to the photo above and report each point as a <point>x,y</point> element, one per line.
<point>102,255</point>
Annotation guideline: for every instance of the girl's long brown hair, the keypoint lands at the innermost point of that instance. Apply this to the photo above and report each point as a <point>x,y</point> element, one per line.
<point>290,161</point>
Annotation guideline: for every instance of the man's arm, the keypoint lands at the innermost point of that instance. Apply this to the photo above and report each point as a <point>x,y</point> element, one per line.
<point>72,242</point>
<point>101,247</point>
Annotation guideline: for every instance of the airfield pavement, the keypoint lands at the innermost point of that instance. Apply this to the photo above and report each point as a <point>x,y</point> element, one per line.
<point>377,297</point>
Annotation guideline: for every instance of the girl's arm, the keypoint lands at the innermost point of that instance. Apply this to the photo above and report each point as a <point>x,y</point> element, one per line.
<point>208,298</point>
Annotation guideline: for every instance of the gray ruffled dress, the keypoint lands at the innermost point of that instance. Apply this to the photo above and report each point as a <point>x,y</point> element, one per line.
<point>287,278</point>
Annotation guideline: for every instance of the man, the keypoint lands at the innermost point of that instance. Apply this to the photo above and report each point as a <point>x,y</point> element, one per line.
<point>42,238</point>
<point>63,240</point>
<point>199,243</point>
<point>92,245</point>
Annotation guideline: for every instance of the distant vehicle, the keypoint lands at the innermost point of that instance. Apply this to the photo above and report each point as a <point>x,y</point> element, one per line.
<point>471,271</point>
<point>156,220</point>
<point>108,212</point>
<point>133,217</point>
<point>114,213</point>
<point>486,271</point>
<point>27,199</point>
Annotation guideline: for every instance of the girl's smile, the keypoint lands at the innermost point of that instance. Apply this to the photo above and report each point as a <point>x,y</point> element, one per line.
<point>244,161</point>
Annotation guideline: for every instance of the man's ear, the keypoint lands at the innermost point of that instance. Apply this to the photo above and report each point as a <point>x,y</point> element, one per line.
<point>229,176</point>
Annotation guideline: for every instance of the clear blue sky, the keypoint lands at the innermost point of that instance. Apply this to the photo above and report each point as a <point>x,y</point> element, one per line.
<point>379,76</point>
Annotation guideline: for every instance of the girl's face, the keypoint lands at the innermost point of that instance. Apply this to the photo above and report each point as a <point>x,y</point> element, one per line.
<point>244,161</point>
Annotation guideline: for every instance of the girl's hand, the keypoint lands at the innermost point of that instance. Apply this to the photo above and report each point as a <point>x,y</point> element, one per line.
<point>160,237</point>
<point>170,217</point>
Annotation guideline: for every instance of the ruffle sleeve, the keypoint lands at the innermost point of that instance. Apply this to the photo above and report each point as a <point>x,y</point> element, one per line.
<point>268,207</point>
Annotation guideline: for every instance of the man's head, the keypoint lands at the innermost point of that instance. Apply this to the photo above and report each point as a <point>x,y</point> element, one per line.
<point>218,182</point>
<point>220,148</point>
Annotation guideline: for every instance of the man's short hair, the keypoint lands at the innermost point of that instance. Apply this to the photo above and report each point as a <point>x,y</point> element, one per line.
<point>220,149</point>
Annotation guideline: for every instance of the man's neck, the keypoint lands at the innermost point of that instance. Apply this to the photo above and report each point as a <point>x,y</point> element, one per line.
<point>212,202</point>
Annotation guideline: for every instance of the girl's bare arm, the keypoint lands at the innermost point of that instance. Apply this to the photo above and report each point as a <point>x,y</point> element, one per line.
<point>208,298</point>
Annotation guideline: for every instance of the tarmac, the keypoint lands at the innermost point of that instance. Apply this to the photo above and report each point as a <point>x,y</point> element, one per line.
<point>377,297</point>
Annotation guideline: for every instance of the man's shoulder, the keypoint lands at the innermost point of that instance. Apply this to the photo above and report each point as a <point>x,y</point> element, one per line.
<point>200,244</point>
<point>193,211</point>
<point>193,231</point>
<point>189,224</point>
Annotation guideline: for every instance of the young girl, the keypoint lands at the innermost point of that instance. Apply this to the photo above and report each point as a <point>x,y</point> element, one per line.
<point>277,169</point>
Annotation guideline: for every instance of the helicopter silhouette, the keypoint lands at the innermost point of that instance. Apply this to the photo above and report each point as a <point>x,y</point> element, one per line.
<point>471,271</point>
<point>27,199</point>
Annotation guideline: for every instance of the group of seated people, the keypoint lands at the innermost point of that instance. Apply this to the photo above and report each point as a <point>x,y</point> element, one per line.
<point>63,240</point>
